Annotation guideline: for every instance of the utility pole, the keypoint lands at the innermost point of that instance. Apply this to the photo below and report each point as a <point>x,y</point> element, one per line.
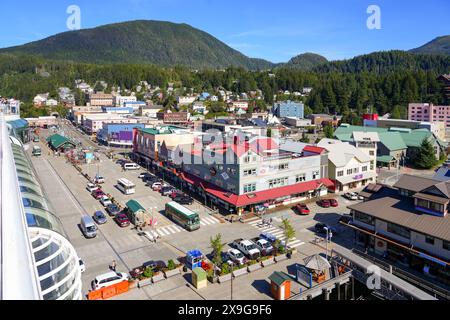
<point>232,264</point>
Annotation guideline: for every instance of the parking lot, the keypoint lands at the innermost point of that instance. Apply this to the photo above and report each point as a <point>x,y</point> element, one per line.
<point>66,191</point>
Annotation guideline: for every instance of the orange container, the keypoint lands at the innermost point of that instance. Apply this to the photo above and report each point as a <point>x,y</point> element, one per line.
<point>95,295</point>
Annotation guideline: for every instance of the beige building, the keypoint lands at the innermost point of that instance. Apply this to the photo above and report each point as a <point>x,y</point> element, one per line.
<point>101,99</point>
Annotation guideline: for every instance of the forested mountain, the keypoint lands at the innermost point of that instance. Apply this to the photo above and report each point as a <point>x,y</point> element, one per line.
<point>305,61</point>
<point>439,45</point>
<point>143,42</point>
<point>387,61</point>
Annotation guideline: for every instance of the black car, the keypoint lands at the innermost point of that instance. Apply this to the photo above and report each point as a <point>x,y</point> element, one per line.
<point>112,209</point>
<point>183,199</point>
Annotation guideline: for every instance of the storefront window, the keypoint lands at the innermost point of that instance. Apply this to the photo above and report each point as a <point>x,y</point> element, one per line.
<point>364,218</point>
<point>398,230</point>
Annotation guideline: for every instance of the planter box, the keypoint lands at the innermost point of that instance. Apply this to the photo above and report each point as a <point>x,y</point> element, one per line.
<point>268,262</point>
<point>240,272</point>
<point>145,282</point>
<point>254,267</point>
<point>281,257</point>
<point>224,278</point>
<point>158,277</point>
<point>171,273</point>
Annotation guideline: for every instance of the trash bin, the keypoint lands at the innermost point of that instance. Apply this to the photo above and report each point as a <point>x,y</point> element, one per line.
<point>199,278</point>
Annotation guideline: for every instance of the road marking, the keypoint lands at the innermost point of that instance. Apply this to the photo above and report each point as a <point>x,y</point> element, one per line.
<point>172,230</point>
<point>164,231</point>
<point>295,243</point>
<point>160,232</point>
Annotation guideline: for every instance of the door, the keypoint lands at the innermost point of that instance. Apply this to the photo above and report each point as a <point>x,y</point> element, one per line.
<point>282,288</point>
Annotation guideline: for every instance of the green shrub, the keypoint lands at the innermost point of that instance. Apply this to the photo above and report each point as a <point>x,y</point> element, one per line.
<point>171,264</point>
<point>225,269</point>
<point>148,272</point>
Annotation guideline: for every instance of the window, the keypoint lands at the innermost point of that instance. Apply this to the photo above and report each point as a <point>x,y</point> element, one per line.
<point>364,169</point>
<point>340,173</point>
<point>300,177</point>
<point>371,165</point>
<point>315,175</point>
<point>422,203</point>
<point>247,159</point>
<point>429,240</point>
<point>355,170</point>
<point>436,207</point>
<point>349,171</point>
<point>398,230</point>
<point>283,166</point>
<point>249,172</point>
<point>446,245</point>
<point>371,152</point>
<point>279,182</point>
<point>364,218</point>
<point>251,187</point>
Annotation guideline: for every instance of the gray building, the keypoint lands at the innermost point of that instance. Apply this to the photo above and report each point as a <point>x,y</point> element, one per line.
<point>288,109</point>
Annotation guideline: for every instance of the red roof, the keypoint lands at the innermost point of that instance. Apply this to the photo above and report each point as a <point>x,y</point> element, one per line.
<point>255,197</point>
<point>313,149</point>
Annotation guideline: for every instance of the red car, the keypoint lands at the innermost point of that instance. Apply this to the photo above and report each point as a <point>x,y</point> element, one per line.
<point>324,203</point>
<point>122,220</point>
<point>302,209</point>
<point>334,202</point>
<point>176,193</point>
<point>98,193</point>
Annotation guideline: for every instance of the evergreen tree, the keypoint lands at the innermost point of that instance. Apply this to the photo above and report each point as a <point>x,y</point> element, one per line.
<point>425,157</point>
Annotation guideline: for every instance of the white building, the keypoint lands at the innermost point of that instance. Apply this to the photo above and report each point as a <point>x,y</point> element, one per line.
<point>185,100</point>
<point>51,103</point>
<point>348,166</point>
<point>119,101</point>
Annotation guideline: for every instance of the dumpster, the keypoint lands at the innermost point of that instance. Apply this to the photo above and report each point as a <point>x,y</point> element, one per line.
<point>198,277</point>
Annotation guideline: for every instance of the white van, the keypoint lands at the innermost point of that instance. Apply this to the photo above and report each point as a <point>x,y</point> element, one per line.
<point>88,227</point>
<point>108,279</point>
<point>131,166</point>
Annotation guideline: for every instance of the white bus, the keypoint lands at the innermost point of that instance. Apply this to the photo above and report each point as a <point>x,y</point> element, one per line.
<point>131,166</point>
<point>126,186</point>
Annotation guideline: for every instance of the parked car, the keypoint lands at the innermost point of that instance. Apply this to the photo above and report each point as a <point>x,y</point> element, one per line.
<point>334,202</point>
<point>99,217</point>
<point>351,195</point>
<point>360,197</point>
<point>98,193</point>
<point>263,245</point>
<point>82,265</point>
<point>236,257</point>
<point>346,218</point>
<point>176,193</point>
<point>156,186</point>
<point>247,247</point>
<point>99,179</point>
<point>105,201</point>
<point>324,203</point>
<point>91,187</point>
<point>183,199</point>
<point>302,209</point>
<point>122,220</point>
<point>112,209</point>
<point>108,279</point>
<point>322,229</point>
<point>165,191</point>
<point>142,175</point>
<point>88,226</point>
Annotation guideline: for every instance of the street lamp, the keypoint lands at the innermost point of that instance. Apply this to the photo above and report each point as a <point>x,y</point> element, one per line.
<point>232,265</point>
<point>328,237</point>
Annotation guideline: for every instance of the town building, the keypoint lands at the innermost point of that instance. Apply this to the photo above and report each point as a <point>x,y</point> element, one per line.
<point>297,122</point>
<point>180,118</point>
<point>321,119</point>
<point>408,223</point>
<point>429,113</point>
<point>40,99</point>
<point>100,99</point>
<point>150,111</point>
<point>119,101</point>
<point>239,105</point>
<point>348,166</point>
<point>10,108</point>
<point>396,145</point>
<point>437,127</point>
<point>118,135</point>
<point>199,107</point>
<point>76,113</point>
<point>92,123</point>
<point>288,109</point>
<point>42,122</point>
<point>186,100</point>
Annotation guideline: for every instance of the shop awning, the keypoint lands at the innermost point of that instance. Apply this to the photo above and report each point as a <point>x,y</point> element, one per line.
<point>385,159</point>
<point>256,197</point>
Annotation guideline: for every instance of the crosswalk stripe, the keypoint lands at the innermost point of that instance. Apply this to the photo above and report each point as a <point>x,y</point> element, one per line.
<point>270,229</point>
<point>296,244</point>
<point>163,230</point>
<point>212,219</point>
<point>254,222</point>
<point>160,232</point>
<point>177,228</point>
<point>202,223</point>
<point>206,221</point>
<point>154,234</point>
<point>172,230</point>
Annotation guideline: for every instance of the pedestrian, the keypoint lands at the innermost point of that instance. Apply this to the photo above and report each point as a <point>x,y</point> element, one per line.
<point>113,265</point>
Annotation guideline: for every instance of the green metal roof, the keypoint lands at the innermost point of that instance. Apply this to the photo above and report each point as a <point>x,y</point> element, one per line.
<point>279,277</point>
<point>57,141</point>
<point>392,140</point>
<point>385,159</point>
<point>416,137</point>
<point>134,206</point>
<point>161,130</point>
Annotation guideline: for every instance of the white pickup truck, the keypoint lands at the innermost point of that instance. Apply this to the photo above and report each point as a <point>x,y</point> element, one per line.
<point>264,246</point>
<point>247,247</point>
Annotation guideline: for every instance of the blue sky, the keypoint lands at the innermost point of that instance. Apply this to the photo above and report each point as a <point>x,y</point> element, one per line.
<point>274,30</point>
